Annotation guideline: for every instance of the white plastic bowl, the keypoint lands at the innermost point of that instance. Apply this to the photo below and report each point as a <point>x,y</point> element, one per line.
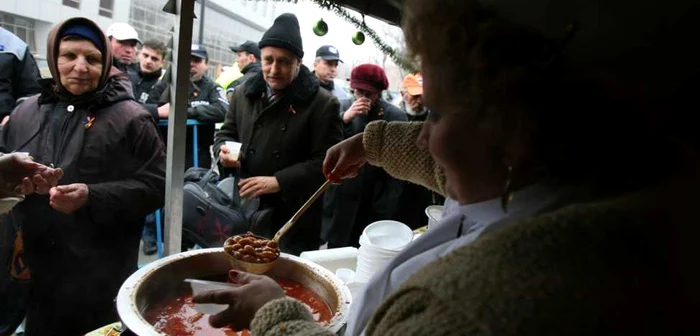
<point>345,274</point>
<point>372,259</point>
<point>388,235</point>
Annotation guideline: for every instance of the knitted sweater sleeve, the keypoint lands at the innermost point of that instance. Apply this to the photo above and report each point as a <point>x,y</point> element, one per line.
<point>392,146</point>
<point>413,311</point>
<point>286,317</point>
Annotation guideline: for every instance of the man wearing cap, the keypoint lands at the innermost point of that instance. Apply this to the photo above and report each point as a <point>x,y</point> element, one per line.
<point>248,60</point>
<point>412,98</point>
<point>372,195</point>
<point>285,122</point>
<point>415,198</point>
<point>207,103</point>
<point>326,69</point>
<point>124,39</point>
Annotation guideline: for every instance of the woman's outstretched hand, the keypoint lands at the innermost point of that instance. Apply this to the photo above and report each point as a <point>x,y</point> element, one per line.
<point>345,159</point>
<point>21,175</point>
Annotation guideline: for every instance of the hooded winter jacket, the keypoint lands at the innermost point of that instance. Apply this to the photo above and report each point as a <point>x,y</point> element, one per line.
<point>107,141</point>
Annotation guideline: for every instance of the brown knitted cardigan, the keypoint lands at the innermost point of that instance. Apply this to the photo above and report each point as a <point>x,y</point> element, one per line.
<point>624,266</point>
<point>392,146</point>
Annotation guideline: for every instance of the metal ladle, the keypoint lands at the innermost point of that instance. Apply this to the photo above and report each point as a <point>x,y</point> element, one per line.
<point>261,268</point>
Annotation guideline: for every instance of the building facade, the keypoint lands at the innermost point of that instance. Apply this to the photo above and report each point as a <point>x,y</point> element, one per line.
<point>226,22</point>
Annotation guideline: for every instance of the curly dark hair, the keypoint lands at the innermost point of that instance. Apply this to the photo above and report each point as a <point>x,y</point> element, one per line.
<point>578,124</point>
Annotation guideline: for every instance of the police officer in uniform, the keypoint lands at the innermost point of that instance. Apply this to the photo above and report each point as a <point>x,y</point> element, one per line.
<point>207,103</point>
<point>19,75</point>
<point>248,60</point>
<point>326,70</point>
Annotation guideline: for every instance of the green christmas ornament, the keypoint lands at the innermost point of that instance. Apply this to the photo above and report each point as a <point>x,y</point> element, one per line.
<point>320,28</point>
<point>358,38</point>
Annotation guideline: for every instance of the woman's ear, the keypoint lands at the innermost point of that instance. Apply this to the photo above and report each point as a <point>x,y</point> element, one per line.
<point>519,153</point>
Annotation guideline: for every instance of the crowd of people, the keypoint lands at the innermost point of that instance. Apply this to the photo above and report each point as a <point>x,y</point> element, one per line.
<point>557,138</point>
<point>96,124</point>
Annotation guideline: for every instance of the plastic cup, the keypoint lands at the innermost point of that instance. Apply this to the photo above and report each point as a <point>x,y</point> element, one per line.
<point>234,149</point>
<point>202,286</point>
<point>434,213</point>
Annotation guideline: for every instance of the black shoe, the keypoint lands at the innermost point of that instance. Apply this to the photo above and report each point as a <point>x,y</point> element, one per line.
<point>150,247</point>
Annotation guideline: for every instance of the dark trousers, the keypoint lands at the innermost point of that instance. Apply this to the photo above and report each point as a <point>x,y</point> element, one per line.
<point>305,235</point>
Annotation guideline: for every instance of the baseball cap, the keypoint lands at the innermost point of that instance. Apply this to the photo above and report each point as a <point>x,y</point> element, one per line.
<point>249,47</point>
<point>122,32</point>
<point>413,84</point>
<point>199,51</point>
<point>328,53</point>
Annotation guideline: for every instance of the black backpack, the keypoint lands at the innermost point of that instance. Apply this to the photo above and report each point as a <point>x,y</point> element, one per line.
<point>213,211</point>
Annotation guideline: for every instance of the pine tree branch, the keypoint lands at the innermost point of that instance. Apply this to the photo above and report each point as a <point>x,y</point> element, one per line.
<point>334,7</point>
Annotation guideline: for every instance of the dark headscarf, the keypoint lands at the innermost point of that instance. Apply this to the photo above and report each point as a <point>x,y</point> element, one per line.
<point>88,30</point>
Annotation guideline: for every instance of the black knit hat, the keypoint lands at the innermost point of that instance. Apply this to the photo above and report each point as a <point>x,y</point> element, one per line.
<point>284,33</point>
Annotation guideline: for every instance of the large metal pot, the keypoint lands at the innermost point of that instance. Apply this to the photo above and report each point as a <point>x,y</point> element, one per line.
<point>158,280</point>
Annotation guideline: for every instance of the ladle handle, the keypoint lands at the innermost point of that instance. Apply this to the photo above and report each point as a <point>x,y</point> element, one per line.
<point>301,211</point>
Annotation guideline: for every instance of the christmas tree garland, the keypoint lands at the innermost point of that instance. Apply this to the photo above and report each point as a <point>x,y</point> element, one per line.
<point>334,7</point>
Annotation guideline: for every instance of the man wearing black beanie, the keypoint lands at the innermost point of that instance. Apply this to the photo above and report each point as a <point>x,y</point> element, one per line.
<point>286,124</point>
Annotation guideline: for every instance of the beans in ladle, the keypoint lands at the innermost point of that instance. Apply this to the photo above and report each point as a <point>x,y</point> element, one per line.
<point>250,248</point>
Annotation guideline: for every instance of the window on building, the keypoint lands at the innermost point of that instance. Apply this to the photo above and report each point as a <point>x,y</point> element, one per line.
<point>23,28</point>
<point>150,21</point>
<point>106,8</point>
<point>72,3</point>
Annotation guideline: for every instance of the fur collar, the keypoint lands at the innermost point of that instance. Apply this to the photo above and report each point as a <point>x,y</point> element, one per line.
<point>303,88</point>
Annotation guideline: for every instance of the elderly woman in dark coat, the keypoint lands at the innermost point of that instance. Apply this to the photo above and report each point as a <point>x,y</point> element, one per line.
<point>81,239</point>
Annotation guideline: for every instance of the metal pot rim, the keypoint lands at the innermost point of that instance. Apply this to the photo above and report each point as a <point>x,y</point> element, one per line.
<point>133,319</point>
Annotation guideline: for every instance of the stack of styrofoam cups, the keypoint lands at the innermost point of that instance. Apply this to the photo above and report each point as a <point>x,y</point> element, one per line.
<point>379,243</point>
